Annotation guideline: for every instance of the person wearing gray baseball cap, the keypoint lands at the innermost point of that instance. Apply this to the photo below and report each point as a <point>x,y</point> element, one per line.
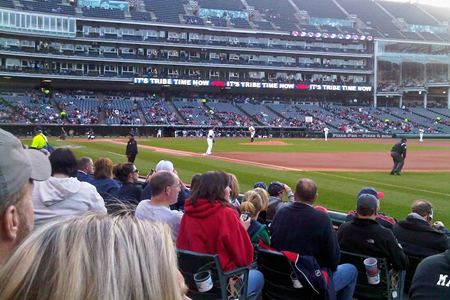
<point>18,168</point>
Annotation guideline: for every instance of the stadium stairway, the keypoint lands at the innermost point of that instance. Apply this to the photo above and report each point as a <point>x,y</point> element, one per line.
<point>173,108</point>
<point>101,114</point>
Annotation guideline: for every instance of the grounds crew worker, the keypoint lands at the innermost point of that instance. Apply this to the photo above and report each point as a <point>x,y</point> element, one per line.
<point>398,154</point>
<point>40,140</point>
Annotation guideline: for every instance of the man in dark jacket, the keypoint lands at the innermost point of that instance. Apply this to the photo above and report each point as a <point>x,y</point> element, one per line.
<point>366,236</point>
<point>132,149</point>
<point>398,154</point>
<point>418,235</point>
<point>300,228</point>
<point>432,278</point>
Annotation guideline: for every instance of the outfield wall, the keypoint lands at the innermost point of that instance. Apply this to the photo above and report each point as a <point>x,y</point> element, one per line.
<point>197,131</point>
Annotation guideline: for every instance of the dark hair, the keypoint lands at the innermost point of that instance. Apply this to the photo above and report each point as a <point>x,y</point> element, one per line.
<point>160,180</point>
<point>64,161</point>
<point>306,190</point>
<point>194,181</point>
<point>422,207</point>
<point>210,187</point>
<point>122,170</point>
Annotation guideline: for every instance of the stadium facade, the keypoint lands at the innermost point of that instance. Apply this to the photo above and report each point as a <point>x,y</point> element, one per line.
<point>357,52</point>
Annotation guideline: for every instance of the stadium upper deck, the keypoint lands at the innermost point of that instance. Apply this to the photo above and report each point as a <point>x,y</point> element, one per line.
<point>371,50</point>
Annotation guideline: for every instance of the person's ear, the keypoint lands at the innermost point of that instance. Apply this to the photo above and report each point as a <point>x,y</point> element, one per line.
<point>10,223</point>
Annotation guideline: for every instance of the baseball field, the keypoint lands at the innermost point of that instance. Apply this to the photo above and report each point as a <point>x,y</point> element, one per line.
<point>340,167</point>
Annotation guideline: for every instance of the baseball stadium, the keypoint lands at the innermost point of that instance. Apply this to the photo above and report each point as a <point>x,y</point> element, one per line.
<point>369,72</point>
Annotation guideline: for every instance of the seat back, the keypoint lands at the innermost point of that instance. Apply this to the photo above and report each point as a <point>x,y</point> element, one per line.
<point>389,280</point>
<point>413,263</point>
<point>190,263</point>
<point>277,277</point>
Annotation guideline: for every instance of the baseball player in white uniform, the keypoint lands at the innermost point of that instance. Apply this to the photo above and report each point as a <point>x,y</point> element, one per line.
<point>210,140</point>
<point>325,132</point>
<point>252,133</point>
<point>421,131</point>
<point>159,134</point>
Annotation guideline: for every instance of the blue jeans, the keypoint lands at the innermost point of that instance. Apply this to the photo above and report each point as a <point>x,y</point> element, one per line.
<point>344,280</point>
<point>255,283</point>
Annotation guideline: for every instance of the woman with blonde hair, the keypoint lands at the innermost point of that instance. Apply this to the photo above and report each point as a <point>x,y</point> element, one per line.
<point>103,179</point>
<point>94,257</point>
<point>253,205</point>
<point>234,193</point>
<point>265,204</point>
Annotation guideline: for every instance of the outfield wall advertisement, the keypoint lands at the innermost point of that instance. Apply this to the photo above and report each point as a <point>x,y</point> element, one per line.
<point>362,135</point>
<point>247,84</point>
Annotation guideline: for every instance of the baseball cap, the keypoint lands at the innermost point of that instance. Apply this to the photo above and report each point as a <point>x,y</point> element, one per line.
<point>131,133</point>
<point>38,128</point>
<point>260,184</point>
<point>371,191</point>
<point>367,201</point>
<point>404,140</point>
<point>18,165</point>
<point>165,165</point>
<point>275,187</point>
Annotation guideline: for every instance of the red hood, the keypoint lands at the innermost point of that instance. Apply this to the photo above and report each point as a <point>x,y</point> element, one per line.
<point>203,208</point>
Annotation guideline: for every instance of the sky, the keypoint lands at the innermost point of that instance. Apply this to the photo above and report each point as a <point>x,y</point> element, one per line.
<point>429,2</point>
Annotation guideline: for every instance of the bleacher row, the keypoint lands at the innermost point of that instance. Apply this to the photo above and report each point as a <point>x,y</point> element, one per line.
<point>380,18</point>
<point>86,109</point>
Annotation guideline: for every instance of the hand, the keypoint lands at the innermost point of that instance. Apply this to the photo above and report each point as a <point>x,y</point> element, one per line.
<point>438,224</point>
<point>148,177</point>
<point>287,188</point>
<point>246,224</point>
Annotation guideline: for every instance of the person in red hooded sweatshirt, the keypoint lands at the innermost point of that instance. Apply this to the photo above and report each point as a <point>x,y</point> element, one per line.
<point>211,225</point>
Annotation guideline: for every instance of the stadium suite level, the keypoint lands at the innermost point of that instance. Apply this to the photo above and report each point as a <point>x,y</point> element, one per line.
<point>87,51</point>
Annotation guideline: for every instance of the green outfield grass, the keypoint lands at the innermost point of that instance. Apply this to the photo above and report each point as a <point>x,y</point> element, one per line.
<point>337,190</point>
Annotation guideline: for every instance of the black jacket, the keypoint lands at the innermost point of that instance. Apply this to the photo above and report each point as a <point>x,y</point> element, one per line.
<point>368,237</point>
<point>132,147</point>
<point>400,148</point>
<point>431,278</point>
<point>418,238</point>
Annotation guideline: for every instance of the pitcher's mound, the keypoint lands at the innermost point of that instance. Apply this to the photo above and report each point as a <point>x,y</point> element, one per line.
<point>267,143</point>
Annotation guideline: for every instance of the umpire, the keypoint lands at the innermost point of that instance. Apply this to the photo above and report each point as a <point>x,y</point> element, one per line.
<point>398,154</point>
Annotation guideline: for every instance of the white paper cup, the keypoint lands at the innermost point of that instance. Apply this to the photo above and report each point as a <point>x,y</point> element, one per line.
<point>373,277</point>
<point>295,282</point>
<point>203,281</point>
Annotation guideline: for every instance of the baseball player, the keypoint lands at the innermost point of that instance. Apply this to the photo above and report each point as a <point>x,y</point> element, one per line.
<point>252,133</point>
<point>159,134</point>
<point>325,133</point>
<point>210,140</point>
<point>421,131</point>
<point>398,154</point>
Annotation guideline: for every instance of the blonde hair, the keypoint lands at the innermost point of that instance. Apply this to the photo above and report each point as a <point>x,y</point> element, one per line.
<point>251,203</point>
<point>94,257</point>
<point>234,186</point>
<point>264,198</point>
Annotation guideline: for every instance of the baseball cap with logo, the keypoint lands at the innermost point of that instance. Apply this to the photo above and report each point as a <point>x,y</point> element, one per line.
<point>260,184</point>
<point>275,187</point>
<point>165,165</point>
<point>18,165</point>
<point>371,191</point>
